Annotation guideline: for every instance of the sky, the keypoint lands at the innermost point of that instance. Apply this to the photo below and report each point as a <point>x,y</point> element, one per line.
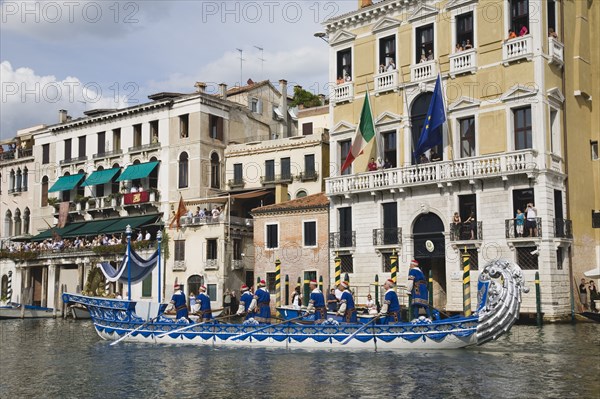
<point>83,55</point>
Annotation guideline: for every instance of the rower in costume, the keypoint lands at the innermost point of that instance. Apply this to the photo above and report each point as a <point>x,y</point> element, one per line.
<point>245,301</point>
<point>390,311</point>
<point>316,303</point>
<point>347,309</point>
<point>417,285</point>
<point>203,300</point>
<point>261,304</point>
<point>179,303</point>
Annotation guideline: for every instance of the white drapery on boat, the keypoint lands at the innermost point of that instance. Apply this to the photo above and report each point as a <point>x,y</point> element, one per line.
<point>140,268</point>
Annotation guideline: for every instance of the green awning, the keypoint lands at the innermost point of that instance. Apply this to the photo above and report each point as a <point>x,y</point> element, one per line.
<point>66,183</point>
<point>91,228</point>
<point>134,222</point>
<point>60,231</point>
<point>100,177</point>
<point>138,171</point>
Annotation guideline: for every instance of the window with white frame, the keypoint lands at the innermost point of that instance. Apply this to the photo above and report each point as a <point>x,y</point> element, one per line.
<point>344,64</point>
<point>464,31</point>
<point>387,53</point>
<point>467,136</point>
<point>310,233</point>
<point>519,16</point>
<point>554,131</point>
<point>424,45</point>
<point>272,236</point>
<point>522,128</point>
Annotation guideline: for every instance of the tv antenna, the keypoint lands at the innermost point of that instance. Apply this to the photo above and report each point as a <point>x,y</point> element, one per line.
<point>241,64</point>
<point>262,61</point>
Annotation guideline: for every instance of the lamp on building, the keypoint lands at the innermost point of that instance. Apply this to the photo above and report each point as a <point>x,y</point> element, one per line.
<point>322,36</point>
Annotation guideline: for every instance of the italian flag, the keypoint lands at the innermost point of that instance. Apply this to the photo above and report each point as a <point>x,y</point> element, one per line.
<point>365,131</point>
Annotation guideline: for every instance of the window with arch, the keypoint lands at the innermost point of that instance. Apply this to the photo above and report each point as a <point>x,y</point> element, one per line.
<point>183,170</point>
<point>18,181</point>
<point>11,181</point>
<point>418,113</point>
<point>25,179</point>
<point>301,194</point>
<point>194,282</point>
<point>8,224</point>
<point>26,218</point>
<point>17,222</point>
<point>44,191</point>
<point>215,171</point>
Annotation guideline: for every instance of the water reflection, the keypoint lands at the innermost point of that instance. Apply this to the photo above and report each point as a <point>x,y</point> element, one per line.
<point>58,358</point>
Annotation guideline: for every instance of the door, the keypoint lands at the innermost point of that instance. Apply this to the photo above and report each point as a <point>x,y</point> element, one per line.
<point>559,221</point>
<point>309,165</point>
<point>428,229</point>
<point>466,205</point>
<point>270,170</point>
<point>36,285</point>
<point>345,215</point>
<point>286,173</point>
<point>308,275</point>
<point>390,223</point>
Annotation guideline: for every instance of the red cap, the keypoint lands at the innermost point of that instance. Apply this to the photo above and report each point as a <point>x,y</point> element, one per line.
<point>262,283</point>
<point>389,280</point>
<point>313,282</point>
<point>244,288</point>
<point>176,285</point>
<point>345,284</point>
<point>414,262</point>
<point>202,288</point>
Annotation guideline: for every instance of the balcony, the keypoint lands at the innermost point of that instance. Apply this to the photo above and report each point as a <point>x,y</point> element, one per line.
<point>275,179</point>
<point>179,266</point>
<point>70,161</point>
<point>108,154</point>
<point>387,236</point>
<point>563,228</point>
<point>145,147</point>
<point>387,81</point>
<point>212,264</point>
<point>236,183</point>
<point>517,49</point>
<point>308,176</point>
<point>466,231</point>
<point>463,62</point>
<point>202,220</point>
<point>237,264</point>
<point>555,52</point>
<point>343,92</point>
<point>436,173</point>
<point>344,239</point>
<point>515,231</point>
<point>423,71</point>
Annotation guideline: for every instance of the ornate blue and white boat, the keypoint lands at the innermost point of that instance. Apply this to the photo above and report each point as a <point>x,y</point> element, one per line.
<point>499,297</point>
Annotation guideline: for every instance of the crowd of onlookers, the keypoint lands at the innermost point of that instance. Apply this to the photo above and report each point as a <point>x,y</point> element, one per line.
<point>203,215</point>
<point>61,244</point>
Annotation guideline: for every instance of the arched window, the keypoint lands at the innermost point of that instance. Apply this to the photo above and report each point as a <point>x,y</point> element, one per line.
<point>18,222</point>
<point>44,191</point>
<point>11,181</point>
<point>215,171</point>
<point>26,217</point>
<point>194,282</point>
<point>25,179</point>
<point>8,224</point>
<point>100,187</point>
<point>418,113</point>
<point>183,170</point>
<point>301,194</point>
<point>18,181</point>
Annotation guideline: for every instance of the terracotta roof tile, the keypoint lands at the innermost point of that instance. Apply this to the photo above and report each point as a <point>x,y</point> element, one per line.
<point>310,201</point>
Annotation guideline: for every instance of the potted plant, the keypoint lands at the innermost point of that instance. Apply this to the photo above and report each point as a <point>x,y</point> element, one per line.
<point>79,201</point>
<point>91,202</point>
<point>53,201</point>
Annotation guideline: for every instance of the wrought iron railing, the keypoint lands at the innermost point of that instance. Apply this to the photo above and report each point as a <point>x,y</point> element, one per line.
<point>144,147</point>
<point>563,228</point>
<point>523,228</point>
<point>308,176</point>
<point>273,179</point>
<point>74,160</point>
<point>236,183</point>
<point>107,154</point>
<point>466,231</point>
<point>343,239</point>
<point>387,236</point>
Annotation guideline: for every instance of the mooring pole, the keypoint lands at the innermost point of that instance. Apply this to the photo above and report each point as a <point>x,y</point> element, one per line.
<point>538,300</point>
<point>466,283</point>
<point>287,290</point>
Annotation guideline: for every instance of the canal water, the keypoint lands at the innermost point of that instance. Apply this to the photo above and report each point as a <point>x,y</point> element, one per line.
<point>66,359</point>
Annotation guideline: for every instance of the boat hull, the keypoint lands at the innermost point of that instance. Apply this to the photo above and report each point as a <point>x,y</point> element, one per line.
<point>30,312</point>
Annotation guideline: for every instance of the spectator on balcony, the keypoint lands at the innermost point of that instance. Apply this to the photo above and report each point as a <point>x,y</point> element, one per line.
<point>381,68</point>
<point>423,159</point>
<point>140,189</point>
<point>435,157</point>
<point>340,80</point>
<point>139,237</point>
<point>387,164</point>
<point>511,34</point>
<point>552,33</point>
<point>154,139</point>
<point>458,48</point>
<point>430,55</point>
<point>215,213</point>
<point>133,189</point>
<point>471,222</point>
<point>423,59</point>
<point>147,237</point>
<point>456,223</point>
<point>523,31</point>
<point>372,166</point>
<point>520,222</point>
<point>531,223</point>
<point>468,45</point>
<point>391,66</point>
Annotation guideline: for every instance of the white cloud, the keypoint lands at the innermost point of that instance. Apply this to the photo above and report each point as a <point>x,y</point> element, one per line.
<point>29,99</point>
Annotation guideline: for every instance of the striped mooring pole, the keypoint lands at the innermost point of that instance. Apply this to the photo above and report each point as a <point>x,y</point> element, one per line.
<point>394,266</point>
<point>430,289</point>
<point>278,283</point>
<point>538,300</point>
<point>321,283</point>
<point>9,287</point>
<point>466,261</point>
<point>287,290</point>
<point>377,292</point>
<point>338,269</point>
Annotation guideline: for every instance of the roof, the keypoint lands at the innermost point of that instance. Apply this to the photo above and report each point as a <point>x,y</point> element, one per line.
<point>314,201</point>
<point>238,90</point>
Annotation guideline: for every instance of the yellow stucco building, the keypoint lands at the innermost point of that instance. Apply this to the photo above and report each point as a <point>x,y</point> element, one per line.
<point>517,76</point>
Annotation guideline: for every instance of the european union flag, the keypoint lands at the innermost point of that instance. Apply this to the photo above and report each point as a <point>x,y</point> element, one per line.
<point>436,116</point>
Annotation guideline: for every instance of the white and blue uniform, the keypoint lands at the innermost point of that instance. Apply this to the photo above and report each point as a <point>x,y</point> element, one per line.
<point>317,301</point>
<point>393,307</point>
<point>205,311</point>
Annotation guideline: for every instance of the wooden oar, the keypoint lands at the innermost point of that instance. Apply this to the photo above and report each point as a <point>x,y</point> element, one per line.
<point>344,342</point>
<point>244,335</point>
<point>131,332</point>
<point>193,325</point>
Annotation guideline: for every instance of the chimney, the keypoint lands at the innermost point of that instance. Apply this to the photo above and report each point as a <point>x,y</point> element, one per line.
<point>223,90</point>
<point>364,3</point>
<point>283,107</point>
<point>62,116</point>
<point>281,193</point>
<point>200,87</point>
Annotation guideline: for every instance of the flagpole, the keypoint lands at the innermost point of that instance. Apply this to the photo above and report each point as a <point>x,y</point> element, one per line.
<point>128,232</point>
<point>448,135</point>
<point>159,239</point>
<point>412,144</point>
